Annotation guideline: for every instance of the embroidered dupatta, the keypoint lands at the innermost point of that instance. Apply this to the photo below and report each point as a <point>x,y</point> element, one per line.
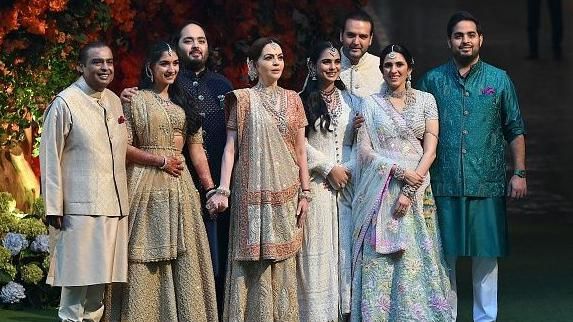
<point>266,181</point>
<point>383,141</point>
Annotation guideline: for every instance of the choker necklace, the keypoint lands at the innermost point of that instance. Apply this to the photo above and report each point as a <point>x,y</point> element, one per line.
<point>327,96</point>
<point>396,94</point>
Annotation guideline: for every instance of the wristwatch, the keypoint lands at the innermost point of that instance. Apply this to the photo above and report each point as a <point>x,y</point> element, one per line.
<point>520,173</point>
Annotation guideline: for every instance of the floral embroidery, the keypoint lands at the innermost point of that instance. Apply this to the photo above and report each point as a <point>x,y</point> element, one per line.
<point>121,119</point>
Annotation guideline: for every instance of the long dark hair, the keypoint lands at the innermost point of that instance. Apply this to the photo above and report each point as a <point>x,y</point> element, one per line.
<point>314,106</point>
<point>397,49</point>
<point>177,93</point>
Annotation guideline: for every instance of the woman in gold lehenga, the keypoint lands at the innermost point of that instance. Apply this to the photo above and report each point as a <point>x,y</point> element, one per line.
<point>270,192</point>
<point>169,275</point>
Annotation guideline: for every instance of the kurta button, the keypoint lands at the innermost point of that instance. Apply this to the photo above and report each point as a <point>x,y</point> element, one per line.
<point>464,151</point>
<point>466,112</point>
<point>201,97</point>
<point>195,83</point>
<point>467,93</point>
<point>465,132</point>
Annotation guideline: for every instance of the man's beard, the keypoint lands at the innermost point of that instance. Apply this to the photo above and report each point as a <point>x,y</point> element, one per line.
<point>195,64</point>
<point>466,60</point>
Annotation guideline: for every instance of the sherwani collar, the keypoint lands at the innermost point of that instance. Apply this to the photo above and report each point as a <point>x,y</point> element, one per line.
<point>346,63</point>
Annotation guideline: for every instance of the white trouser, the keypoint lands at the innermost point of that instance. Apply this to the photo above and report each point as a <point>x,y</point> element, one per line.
<point>484,278</point>
<point>81,303</point>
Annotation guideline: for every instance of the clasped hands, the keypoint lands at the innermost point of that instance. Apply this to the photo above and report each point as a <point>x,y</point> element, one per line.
<point>217,203</point>
<point>173,166</point>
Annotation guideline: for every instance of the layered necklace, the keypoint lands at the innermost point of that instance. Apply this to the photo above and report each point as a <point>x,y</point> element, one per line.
<point>274,101</point>
<point>407,95</point>
<point>333,104</point>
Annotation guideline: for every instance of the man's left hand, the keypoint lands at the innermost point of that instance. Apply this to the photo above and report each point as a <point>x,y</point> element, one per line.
<point>517,187</point>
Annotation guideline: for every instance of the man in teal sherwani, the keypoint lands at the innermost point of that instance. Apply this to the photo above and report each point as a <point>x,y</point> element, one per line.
<point>479,115</point>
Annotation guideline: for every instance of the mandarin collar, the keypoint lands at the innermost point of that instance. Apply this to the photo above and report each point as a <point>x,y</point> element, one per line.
<point>473,69</point>
<point>346,61</point>
<point>84,87</point>
<point>191,74</point>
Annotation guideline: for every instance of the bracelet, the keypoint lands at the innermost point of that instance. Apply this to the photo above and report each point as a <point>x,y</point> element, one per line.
<point>432,134</point>
<point>305,194</point>
<point>409,191</point>
<point>162,167</point>
<point>209,192</point>
<point>399,173</point>
<point>223,192</point>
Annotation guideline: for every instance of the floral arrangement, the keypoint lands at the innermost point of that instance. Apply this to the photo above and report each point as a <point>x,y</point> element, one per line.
<point>24,256</point>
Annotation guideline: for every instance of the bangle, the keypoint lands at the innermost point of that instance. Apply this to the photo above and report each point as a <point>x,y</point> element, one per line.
<point>164,165</point>
<point>409,191</point>
<point>399,173</point>
<point>305,194</point>
<point>223,192</point>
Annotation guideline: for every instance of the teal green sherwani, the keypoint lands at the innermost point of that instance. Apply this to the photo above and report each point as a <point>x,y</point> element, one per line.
<point>479,114</point>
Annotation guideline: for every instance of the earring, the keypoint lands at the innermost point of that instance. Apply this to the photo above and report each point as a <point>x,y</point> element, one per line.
<point>251,71</point>
<point>148,73</point>
<point>409,81</point>
<point>311,71</point>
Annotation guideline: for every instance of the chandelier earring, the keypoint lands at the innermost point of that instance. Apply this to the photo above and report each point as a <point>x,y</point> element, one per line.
<point>251,70</point>
<point>409,82</point>
<point>148,72</point>
<point>311,71</point>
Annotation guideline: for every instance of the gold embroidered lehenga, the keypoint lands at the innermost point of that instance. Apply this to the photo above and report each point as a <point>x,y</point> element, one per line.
<point>261,276</point>
<point>170,276</point>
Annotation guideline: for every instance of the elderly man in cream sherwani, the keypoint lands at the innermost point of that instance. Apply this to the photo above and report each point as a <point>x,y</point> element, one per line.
<point>82,159</point>
<point>360,72</point>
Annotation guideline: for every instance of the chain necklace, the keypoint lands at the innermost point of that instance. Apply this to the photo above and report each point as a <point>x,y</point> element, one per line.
<point>162,101</point>
<point>274,101</point>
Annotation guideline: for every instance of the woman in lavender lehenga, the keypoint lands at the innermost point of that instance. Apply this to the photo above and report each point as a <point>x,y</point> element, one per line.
<point>398,271</point>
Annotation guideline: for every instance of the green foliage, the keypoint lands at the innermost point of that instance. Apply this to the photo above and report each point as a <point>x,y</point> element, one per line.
<point>7,203</point>
<point>31,274</point>
<point>31,227</point>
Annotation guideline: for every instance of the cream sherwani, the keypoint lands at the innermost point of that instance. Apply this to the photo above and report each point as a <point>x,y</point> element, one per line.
<point>82,160</point>
<point>361,80</point>
<point>364,78</point>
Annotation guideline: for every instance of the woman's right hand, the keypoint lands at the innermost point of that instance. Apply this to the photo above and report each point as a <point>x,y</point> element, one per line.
<point>339,177</point>
<point>217,204</point>
<point>413,179</point>
<point>173,166</point>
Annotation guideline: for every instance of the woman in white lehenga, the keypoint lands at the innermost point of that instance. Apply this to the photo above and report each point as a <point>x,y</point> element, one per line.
<point>329,135</point>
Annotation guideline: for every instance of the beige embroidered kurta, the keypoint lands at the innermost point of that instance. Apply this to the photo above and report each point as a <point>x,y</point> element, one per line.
<point>82,160</point>
<point>364,78</point>
<point>318,265</point>
<point>170,275</point>
<point>261,278</point>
